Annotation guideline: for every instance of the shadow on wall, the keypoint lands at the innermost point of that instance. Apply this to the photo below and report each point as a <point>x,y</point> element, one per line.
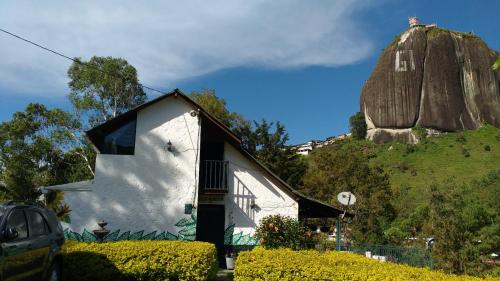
<point>242,214</point>
<point>254,171</point>
<point>243,211</point>
<point>153,180</point>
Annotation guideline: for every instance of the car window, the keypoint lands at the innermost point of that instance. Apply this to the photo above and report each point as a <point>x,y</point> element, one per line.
<point>18,220</point>
<point>2,212</point>
<point>46,226</point>
<point>37,224</point>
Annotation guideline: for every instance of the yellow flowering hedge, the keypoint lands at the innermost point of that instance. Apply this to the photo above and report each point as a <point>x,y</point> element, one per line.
<point>139,260</point>
<point>285,264</point>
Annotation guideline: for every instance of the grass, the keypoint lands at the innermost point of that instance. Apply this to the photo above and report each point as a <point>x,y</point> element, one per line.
<point>433,32</point>
<point>463,156</point>
<point>460,157</point>
<point>455,157</point>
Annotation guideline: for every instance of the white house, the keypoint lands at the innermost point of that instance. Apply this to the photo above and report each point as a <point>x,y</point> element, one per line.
<point>169,170</point>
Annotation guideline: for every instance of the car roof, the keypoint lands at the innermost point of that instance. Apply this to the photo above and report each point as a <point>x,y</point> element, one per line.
<point>4,206</point>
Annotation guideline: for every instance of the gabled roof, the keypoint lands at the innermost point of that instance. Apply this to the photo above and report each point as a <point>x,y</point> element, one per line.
<point>308,207</point>
<point>119,120</point>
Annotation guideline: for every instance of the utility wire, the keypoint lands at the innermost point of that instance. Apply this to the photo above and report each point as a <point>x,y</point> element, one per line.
<point>77,61</point>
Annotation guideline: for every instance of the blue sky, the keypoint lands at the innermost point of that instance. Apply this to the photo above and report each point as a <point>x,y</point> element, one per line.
<point>300,62</point>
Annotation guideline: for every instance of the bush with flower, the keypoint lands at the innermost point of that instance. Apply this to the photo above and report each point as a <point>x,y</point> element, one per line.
<point>278,231</point>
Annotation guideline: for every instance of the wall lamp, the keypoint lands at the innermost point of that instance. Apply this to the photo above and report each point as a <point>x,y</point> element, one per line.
<point>253,205</point>
<point>194,113</point>
<point>170,147</point>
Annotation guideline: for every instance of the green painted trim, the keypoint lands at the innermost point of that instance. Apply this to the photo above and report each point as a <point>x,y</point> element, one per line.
<point>187,232</point>
<point>88,236</point>
<point>188,227</point>
<point>238,239</point>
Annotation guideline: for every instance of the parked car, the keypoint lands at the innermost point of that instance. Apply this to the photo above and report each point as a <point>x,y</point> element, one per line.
<point>31,238</point>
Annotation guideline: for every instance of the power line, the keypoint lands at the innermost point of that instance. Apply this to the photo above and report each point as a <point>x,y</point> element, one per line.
<point>77,61</point>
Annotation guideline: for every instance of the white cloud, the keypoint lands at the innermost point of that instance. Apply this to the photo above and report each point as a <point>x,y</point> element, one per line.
<point>168,41</point>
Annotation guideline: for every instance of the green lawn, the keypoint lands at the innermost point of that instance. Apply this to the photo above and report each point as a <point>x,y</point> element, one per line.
<point>459,157</point>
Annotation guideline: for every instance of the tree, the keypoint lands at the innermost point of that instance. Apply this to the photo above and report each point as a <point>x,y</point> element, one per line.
<point>34,150</point>
<point>217,107</point>
<point>272,151</point>
<point>103,88</point>
<point>454,249</point>
<point>41,146</point>
<point>342,167</point>
<point>358,126</point>
<point>464,221</point>
<point>414,225</point>
<point>277,231</point>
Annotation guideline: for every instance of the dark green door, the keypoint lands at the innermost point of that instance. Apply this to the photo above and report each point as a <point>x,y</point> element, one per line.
<point>210,227</point>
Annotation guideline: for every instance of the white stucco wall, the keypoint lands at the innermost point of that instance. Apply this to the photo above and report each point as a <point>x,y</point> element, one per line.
<point>248,181</point>
<point>148,190</point>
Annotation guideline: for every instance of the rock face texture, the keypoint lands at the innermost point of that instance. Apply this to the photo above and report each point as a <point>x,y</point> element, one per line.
<point>431,78</point>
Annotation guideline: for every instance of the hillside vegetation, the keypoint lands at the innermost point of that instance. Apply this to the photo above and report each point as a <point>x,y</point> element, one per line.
<point>447,186</point>
<point>460,157</point>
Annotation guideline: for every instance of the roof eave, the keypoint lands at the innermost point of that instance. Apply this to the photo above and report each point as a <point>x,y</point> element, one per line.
<point>93,133</point>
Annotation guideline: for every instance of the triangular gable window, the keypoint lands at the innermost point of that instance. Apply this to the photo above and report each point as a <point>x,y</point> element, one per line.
<point>121,140</point>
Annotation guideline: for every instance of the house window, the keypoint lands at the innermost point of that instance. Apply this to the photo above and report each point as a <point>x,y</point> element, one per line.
<point>121,140</point>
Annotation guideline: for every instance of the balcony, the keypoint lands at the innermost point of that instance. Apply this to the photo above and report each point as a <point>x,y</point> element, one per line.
<point>213,176</point>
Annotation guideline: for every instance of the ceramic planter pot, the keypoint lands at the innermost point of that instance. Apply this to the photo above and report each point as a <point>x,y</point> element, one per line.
<point>229,263</point>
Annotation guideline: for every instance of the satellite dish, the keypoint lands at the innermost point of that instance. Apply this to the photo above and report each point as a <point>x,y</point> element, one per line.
<point>346,198</point>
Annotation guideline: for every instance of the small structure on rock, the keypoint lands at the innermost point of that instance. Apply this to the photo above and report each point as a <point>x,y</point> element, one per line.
<point>413,21</point>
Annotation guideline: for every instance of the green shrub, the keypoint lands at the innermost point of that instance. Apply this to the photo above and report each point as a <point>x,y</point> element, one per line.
<point>461,138</point>
<point>285,264</point>
<point>410,148</point>
<point>402,166</point>
<point>358,126</point>
<point>322,243</point>
<point>420,132</point>
<point>278,231</point>
<point>487,147</point>
<point>139,260</point>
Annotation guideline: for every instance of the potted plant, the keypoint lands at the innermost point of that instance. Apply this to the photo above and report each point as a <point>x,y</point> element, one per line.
<point>230,260</point>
